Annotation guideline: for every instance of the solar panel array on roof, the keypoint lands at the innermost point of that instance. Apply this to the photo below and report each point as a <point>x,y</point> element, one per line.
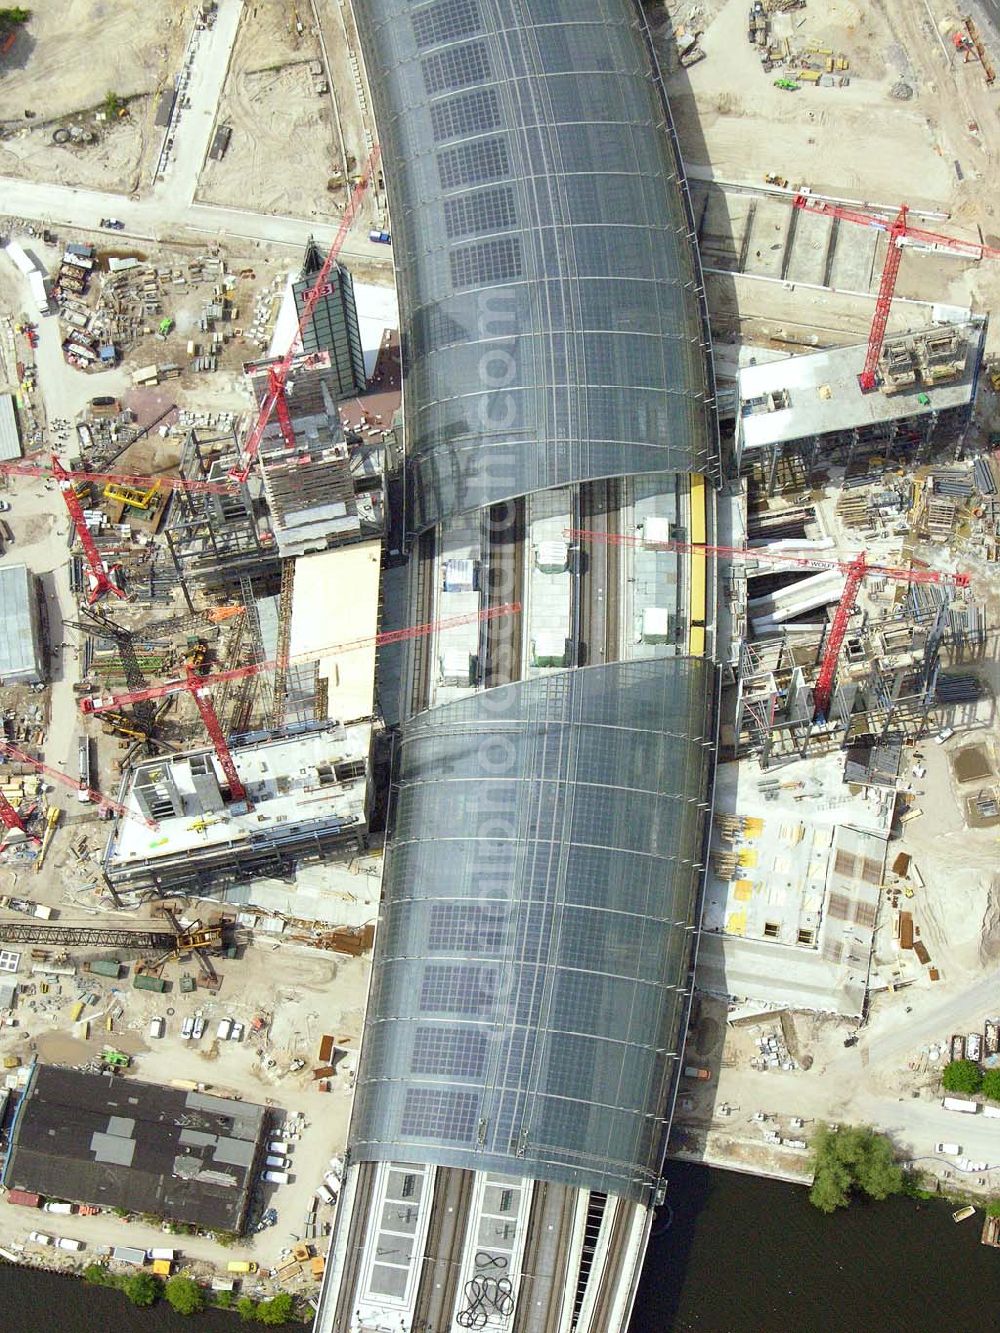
<point>545,123</point>
<point>539,905</point>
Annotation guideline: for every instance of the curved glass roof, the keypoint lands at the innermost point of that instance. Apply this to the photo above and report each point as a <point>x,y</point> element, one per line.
<point>554,329</point>
<point>539,909</point>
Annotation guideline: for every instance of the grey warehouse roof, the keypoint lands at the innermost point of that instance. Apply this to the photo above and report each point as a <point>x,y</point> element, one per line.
<point>539,904</point>
<point>555,329</point>
<point>10,440</point>
<point>20,654</point>
<point>102,1139</point>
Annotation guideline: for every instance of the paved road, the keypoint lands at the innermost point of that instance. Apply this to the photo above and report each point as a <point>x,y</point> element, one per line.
<point>147,219</point>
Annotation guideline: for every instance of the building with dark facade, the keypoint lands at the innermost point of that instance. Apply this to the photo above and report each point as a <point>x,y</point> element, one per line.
<point>113,1142</point>
<point>555,753</point>
<point>334,324</point>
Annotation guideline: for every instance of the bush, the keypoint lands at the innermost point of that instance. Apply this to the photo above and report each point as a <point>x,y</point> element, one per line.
<point>14,16</point>
<point>849,1161</point>
<point>143,1288</point>
<point>246,1309</point>
<point>961,1076</point>
<point>223,1299</point>
<point>99,1276</point>
<point>993,1209</point>
<point>991,1085</point>
<point>185,1295</point>
<point>277,1310</point>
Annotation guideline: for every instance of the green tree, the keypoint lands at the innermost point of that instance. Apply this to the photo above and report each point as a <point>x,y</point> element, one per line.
<point>993,1209</point>
<point>98,1276</point>
<point>143,1288</point>
<point>112,104</point>
<point>278,1310</point>
<point>961,1076</point>
<point>246,1309</point>
<point>16,15</point>
<point>852,1160</point>
<point>184,1294</point>
<point>991,1085</point>
<point>223,1299</point>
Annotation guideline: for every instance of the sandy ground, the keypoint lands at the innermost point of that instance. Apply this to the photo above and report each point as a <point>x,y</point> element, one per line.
<point>70,54</point>
<point>939,150</point>
<point>285,143</point>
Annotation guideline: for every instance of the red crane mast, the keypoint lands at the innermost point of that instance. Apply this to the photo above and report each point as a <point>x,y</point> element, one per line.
<point>9,816</point>
<point>40,471</point>
<point>100,576</point>
<point>200,686</point>
<point>855,570</point>
<point>277,375</point>
<point>899,232</point>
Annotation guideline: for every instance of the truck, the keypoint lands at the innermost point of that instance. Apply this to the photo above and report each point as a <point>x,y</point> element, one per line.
<point>56,1207</point>
<point>950,1149</point>
<point>960,1104</point>
<point>241,1266</point>
<point>702,1075</point>
<point>224,1029</point>
<point>171,1255</point>
<point>68,1243</point>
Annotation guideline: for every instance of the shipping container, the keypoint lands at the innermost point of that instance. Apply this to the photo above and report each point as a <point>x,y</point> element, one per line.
<point>104,967</point>
<point>128,1254</point>
<point>960,1104</point>
<point>24,1197</point>
<point>145,982</point>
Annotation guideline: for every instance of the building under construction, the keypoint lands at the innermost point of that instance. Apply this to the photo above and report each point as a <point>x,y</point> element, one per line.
<point>324,493</point>
<point>306,798</point>
<point>798,418</point>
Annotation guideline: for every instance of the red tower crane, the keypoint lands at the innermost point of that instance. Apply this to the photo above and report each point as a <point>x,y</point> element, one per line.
<point>855,571</point>
<point>200,686</point>
<point>104,802</point>
<point>277,375</point>
<point>100,576</point>
<point>899,232</point>
<point>41,471</point>
<point>9,816</point>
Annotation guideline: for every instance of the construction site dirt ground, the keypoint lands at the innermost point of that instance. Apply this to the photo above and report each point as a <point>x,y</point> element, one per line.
<point>938,150</point>
<point>285,148</point>
<point>64,63</point>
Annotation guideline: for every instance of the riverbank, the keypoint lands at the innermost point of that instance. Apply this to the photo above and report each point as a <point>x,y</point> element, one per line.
<point>749,1255</point>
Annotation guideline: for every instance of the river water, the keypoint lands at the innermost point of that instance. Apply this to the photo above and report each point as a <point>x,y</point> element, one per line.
<point>742,1255</point>
<point>745,1255</point>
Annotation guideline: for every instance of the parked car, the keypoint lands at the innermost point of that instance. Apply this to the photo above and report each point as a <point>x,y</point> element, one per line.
<point>199,1028</point>
<point>237,1032</point>
<point>380,237</point>
<point>112,224</point>
<point>157,1027</point>
<point>187,1030</point>
<point>4,506</point>
<point>39,1237</point>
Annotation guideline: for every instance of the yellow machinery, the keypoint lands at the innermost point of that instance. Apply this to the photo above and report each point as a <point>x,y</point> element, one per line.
<point>133,496</point>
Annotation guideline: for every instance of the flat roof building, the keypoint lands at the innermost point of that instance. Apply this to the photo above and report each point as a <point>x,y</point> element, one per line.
<point>811,408</point>
<point>22,659</point>
<point>113,1142</point>
<point>10,437</point>
<point>307,793</point>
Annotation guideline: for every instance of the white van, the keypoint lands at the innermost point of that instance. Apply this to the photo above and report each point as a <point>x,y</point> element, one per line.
<point>278,1145</point>
<point>276,1161</point>
<point>277,1177</point>
<point>223,1030</point>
